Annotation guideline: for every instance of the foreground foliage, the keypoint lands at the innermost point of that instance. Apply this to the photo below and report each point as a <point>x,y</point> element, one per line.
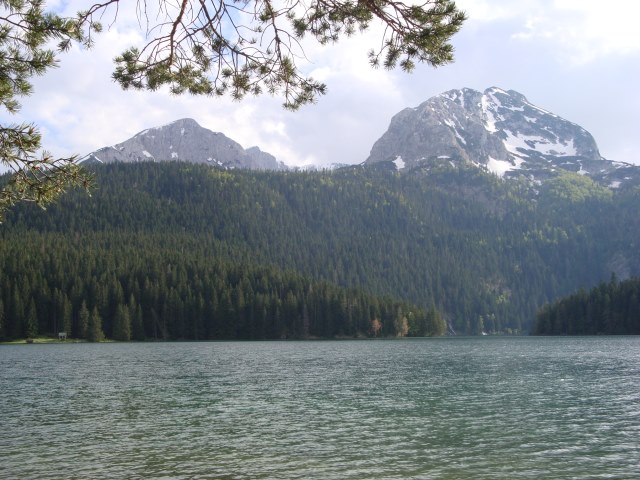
<point>26,35</point>
<point>245,47</point>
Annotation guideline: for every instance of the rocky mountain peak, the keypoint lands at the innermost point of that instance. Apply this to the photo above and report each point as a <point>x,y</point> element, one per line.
<point>497,130</point>
<point>185,140</point>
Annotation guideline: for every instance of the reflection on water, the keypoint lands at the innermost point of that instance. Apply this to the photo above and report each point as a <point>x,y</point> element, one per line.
<point>433,408</point>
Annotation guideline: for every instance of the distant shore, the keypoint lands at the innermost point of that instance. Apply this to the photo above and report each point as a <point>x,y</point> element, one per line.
<point>40,340</point>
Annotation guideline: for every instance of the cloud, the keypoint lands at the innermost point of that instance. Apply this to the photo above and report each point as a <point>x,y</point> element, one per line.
<point>490,10</point>
<point>578,31</point>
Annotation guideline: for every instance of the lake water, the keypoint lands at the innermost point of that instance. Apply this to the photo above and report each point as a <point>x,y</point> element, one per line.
<point>449,408</point>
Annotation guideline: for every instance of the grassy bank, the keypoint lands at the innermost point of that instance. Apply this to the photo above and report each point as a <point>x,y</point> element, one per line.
<point>25,341</point>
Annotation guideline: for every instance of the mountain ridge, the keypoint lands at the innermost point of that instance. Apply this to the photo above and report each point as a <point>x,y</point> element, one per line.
<point>499,131</point>
<point>185,140</point>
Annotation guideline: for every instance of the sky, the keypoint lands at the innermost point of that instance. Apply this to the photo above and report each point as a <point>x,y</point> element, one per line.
<point>579,59</point>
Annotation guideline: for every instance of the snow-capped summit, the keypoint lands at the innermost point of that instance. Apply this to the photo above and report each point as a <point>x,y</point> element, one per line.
<point>185,140</point>
<point>498,130</point>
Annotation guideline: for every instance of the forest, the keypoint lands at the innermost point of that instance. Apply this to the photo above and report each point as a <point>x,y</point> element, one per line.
<point>610,308</point>
<point>138,287</point>
<point>181,251</point>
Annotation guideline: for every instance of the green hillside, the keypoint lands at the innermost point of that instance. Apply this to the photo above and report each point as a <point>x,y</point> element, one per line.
<point>611,308</point>
<point>485,253</point>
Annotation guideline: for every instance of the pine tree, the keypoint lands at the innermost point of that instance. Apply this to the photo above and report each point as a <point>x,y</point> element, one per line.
<point>2,320</point>
<point>122,324</point>
<point>31,321</point>
<point>436,325</point>
<point>67,313</point>
<point>26,32</point>
<point>135,312</point>
<point>17,315</point>
<point>83,321</point>
<point>94,331</point>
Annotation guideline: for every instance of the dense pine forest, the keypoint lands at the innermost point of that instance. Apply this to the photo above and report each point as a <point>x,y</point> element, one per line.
<point>142,287</point>
<point>183,251</point>
<point>611,308</point>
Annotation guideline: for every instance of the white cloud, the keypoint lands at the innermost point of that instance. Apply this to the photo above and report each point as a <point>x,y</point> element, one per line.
<point>322,74</point>
<point>277,127</point>
<point>491,10</point>
<point>581,31</point>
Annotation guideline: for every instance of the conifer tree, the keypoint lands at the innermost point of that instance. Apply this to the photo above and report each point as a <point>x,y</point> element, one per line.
<point>122,324</point>
<point>94,330</point>
<point>2,322</point>
<point>26,32</point>
<point>83,321</point>
<point>16,315</point>
<point>135,312</point>
<point>31,320</point>
<point>435,325</point>
<point>66,315</point>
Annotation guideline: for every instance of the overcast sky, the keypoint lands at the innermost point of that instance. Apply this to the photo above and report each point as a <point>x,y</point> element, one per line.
<point>579,59</point>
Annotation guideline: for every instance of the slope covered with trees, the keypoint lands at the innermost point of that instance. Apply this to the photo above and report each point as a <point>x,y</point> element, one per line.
<point>611,308</point>
<point>485,253</point>
<point>136,286</point>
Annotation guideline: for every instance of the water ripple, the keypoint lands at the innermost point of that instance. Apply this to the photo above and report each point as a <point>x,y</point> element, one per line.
<point>422,409</point>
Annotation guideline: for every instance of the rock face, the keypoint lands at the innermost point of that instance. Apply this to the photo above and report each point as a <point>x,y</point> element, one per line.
<point>185,140</point>
<point>498,130</point>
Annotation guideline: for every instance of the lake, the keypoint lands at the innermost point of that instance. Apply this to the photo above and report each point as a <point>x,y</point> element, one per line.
<point>445,408</point>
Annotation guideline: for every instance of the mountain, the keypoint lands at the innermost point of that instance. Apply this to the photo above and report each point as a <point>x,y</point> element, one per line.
<point>186,140</point>
<point>499,131</point>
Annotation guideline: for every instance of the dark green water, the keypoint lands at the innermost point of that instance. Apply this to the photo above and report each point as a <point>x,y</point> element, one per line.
<point>468,408</point>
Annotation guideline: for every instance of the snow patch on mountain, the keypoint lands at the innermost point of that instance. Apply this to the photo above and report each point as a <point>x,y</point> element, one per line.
<point>187,141</point>
<point>497,130</point>
<point>499,167</point>
<point>490,120</point>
